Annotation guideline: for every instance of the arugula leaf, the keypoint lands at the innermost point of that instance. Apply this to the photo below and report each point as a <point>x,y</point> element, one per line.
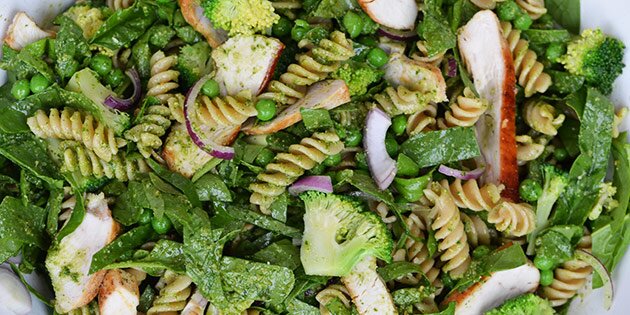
<point>442,146</point>
<point>566,13</point>
<point>166,254</point>
<point>281,253</point>
<point>125,26</point>
<point>124,243</point>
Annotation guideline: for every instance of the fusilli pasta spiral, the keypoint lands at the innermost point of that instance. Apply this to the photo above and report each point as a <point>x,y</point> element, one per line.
<point>514,219</point>
<point>149,129</point>
<point>287,167</point>
<point>449,231</point>
<point>174,291</point>
<point>225,111</point>
<point>416,252</point>
<point>119,4</point>
<point>477,231</point>
<point>529,72</point>
<point>470,196</point>
<point>401,100</point>
<point>422,121</point>
<point>383,212</point>
<point>465,112</point>
<point>77,157</point>
<point>176,105</point>
<point>311,67</point>
<point>423,55</point>
<point>528,149</point>
<point>534,8</point>
<point>287,7</point>
<point>329,294</point>
<point>70,124</point>
<point>486,4</point>
<point>542,117</point>
<point>163,77</point>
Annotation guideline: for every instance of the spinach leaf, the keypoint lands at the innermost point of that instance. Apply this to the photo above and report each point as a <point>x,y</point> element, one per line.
<point>316,119</point>
<point>568,133</point>
<point>261,220</point>
<point>543,37</point>
<point>53,208</point>
<point>248,280</point>
<point>211,187</point>
<point>20,225</point>
<point>29,153</point>
<point>37,63</point>
<point>621,179</point>
<point>165,255</point>
<point>279,207</point>
<point>70,47</point>
<point>76,217</point>
<point>407,298</point>
<point>564,82</point>
<point>177,180</point>
<point>398,269</point>
<point>124,243</point>
<point>558,242</point>
<point>437,33</point>
<point>125,26</point>
<point>566,13</point>
<point>501,259</point>
<point>297,307</point>
<point>589,168</point>
<point>281,253</point>
<point>442,146</point>
<point>329,8</point>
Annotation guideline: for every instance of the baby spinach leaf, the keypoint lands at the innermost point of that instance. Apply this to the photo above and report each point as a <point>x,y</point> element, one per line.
<point>442,146</point>
<point>30,154</point>
<point>566,13</point>
<point>76,217</point>
<point>557,243</point>
<point>621,179</point>
<point>547,36</point>
<point>316,119</point>
<point>124,243</point>
<point>262,221</point>
<point>437,33</point>
<point>165,255</point>
<point>281,253</point>
<point>398,269</point>
<point>70,47</point>
<point>501,259</point>
<point>211,187</point>
<point>20,225</point>
<point>125,26</point>
<point>177,180</point>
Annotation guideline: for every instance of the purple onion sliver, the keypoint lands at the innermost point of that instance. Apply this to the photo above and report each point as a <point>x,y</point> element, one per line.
<point>124,104</point>
<point>464,175</point>
<point>452,67</point>
<point>317,183</point>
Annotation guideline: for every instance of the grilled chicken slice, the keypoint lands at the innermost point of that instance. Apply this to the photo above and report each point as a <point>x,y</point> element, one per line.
<point>416,76</point>
<point>68,262</point>
<point>488,58</point>
<point>396,14</point>
<point>23,31</point>
<point>494,290</point>
<point>193,14</point>
<point>326,94</point>
<point>246,63</point>
<point>119,293</point>
<point>368,291</point>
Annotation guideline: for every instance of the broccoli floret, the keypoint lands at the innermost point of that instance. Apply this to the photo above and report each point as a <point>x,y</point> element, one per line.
<point>597,57</point>
<point>555,181</point>
<point>358,76</point>
<point>527,304</point>
<point>193,62</point>
<point>87,84</point>
<point>240,17</point>
<point>605,200</point>
<point>337,235</point>
<point>87,18</point>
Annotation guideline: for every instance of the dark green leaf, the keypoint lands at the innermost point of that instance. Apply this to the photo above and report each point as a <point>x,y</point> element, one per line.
<point>182,183</point>
<point>547,36</point>
<point>501,259</point>
<point>440,147</point>
<point>70,47</point>
<point>211,187</point>
<point>437,33</point>
<point>329,8</point>
<point>76,217</point>
<point>262,221</point>
<point>398,269</point>
<point>279,207</point>
<point>568,133</point>
<point>564,82</point>
<point>557,243</point>
<point>165,255</point>
<point>316,119</point>
<point>566,13</point>
<point>20,224</point>
<point>124,243</point>
<point>29,153</point>
<point>53,208</point>
<point>282,253</point>
<point>125,26</point>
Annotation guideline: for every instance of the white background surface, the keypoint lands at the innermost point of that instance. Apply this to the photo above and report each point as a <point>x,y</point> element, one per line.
<point>612,16</point>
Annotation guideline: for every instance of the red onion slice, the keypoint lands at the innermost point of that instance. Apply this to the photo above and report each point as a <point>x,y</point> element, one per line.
<point>212,148</point>
<point>465,175</point>
<point>603,273</point>
<point>382,166</point>
<point>396,34</point>
<point>124,104</point>
<point>318,183</point>
<point>451,70</point>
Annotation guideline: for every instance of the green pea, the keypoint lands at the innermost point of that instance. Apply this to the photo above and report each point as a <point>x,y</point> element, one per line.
<point>282,28</point>
<point>353,138</point>
<point>555,51</point>
<point>399,125</point>
<point>210,88</point>
<point>101,64</point>
<point>481,251</point>
<point>530,190</point>
<point>318,169</point>
<point>264,157</point>
<point>508,10</point>
<point>297,33</point>
<point>361,160</point>
<point>115,77</point>
<point>146,216</point>
<point>406,166</point>
<point>523,22</point>
<point>412,189</point>
<point>21,89</point>
<point>161,225</point>
<point>266,109</point>
<point>39,83</point>
<point>560,154</point>
<point>546,277</point>
<point>333,160</point>
<point>391,146</point>
<point>543,263</point>
<point>353,23</point>
<point>377,57</point>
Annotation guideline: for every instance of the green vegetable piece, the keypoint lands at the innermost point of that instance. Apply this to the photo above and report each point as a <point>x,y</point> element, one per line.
<point>441,147</point>
<point>399,125</point>
<point>318,169</point>
<point>377,57</point>
<point>193,62</point>
<point>264,157</point>
<point>353,23</point>
<point>527,304</point>
<point>546,277</point>
<point>266,109</point>
<point>544,37</point>
<point>361,160</point>
<point>508,10</point>
<point>412,189</point>
<point>560,154</point>
<point>115,77</point>
<point>353,138</point>
<point>481,251</point>
<point>530,190</point>
<point>316,119</point>
<point>240,17</point>
<point>406,166</point>
<point>391,146</point>
<point>21,89</point>
<point>333,160</point>
<point>210,88</point>
<point>101,64</point>
<point>121,245</point>
<point>39,83</point>
<point>282,28</point>
<point>146,217</point>
<point>146,299</point>
<point>543,263</point>
<point>523,22</point>
<point>358,76</point>
<point>564,12</point>
<point>555,51</point>
<point>162,224</point>
<point>211,187</point>
<point>297,33</point>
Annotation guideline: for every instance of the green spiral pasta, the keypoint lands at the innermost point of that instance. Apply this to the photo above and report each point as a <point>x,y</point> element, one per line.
<point>311,67</point>
<point>334,293</point>
<point>174,292</point>
<point>150,128</point>
<point>163,77</point>
<point>287,167</point>
<point>70,124</point>
<point>77,157</point>
<point>534,8</point>
<point>401,100</point>
<point>422,121</point>
<point>543,117</point>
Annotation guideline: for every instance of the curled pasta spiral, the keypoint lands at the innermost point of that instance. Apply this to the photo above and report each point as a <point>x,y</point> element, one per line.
<point>542,117</point>
<point>417,252</point>
<point>163,77</point>
<point>422,121</point>
<point>465,112</point>
<point>486,4</point>
<point>449,231</point>
<point>330,293</point>
<point>225,111</point>
<point>73,125</point>
<point>311,67</point>
<point>175,104</point>
<point>383,212</point>
<point>119,4</point>
<point>423,54</point>
<point>470,196</point>
<point>569,277</point>
<point>401,100</point>
<point>529,72</point>
<point>514,219</point>
<point>287,167</point>
<point>150,127</point>
<point>175,290</point>
<point>528,149</point>
<point>618,119</point>
<point>534,8</point>
<point>77,157</point>
<point>287,7</point>
<point>477,231</point>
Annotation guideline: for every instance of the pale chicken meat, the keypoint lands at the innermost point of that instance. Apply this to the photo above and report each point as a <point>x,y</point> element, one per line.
<point>396,14</point>
<point>23,31</point>
<point>193,14</point>
<point>368,290</point>
<point>119,293</point>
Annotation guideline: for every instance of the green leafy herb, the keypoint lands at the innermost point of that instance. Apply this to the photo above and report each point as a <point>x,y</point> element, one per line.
<point>557,243</point>
<point>282,253</point>
<point>165,255</point>
<point>440,147</point>
<point>316,119</point>
<point>437,33</point>
<point>211,187</point>
<point>500,259</point>
<point>20,225</point>
<point>125,26</point>
<point>566,13</point>
<point>124,243</point>
<point>182,183</point>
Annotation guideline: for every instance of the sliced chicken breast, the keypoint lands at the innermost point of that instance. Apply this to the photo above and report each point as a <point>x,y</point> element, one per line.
<point>368,291</point>
<point>119,293</point>
<point>23,31</point>
<point>416,76</point>
<point>396,14</point>
<point>193,14</point>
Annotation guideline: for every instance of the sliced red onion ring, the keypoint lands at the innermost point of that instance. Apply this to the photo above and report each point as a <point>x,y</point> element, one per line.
<point>451,65</point>
<point>465,175</point>
<point>603,273</point>
<point>396,34</point>
<point>318,183</point>
<point>124,104</point>
<point>382,166</point>
<point>214,149</point>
